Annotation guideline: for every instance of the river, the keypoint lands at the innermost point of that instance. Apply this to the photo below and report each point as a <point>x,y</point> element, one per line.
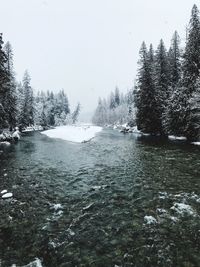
<point>119,200</point>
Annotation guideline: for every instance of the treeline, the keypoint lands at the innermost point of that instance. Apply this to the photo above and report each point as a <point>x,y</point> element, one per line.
<point>168,86</point>
<point>53,109</point>
<point>18,104</point>
<point>117,109</point>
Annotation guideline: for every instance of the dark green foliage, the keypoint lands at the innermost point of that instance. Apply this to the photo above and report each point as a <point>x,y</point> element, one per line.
<point>148,114</point>
<point>4,79</point>
<point>175,118</point>
<point>191,62</point>
<point>174,58</point>
<point>10,97</point>
<point>19,106</point>
<point>171,88</point>
<point>25,102</point>
<point>192,129</point>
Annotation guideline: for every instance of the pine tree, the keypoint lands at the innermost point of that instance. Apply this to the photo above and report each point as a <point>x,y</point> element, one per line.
<point>25,102</point>
<point>50,109</point>
<point>176,109</point>
<point>10,98</point>
<point>192,129</point>
<point>162,83</point>
<point>191,74</point>
<point>3,85</point>
<point>172,117</point>
<point>191,57</point>
<point>20,105</point>
<point>76,112</point>
<point>112,101</point>
<point>174,58</point>
<point>147,116</point>
<point>117,97</point>
<point>100,115</point>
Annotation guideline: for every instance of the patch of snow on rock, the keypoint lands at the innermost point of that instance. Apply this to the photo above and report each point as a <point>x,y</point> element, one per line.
<point>196,143</point>
<point>4,191</point>
<point>57,207</point>
<point>173,137</point>
<point>7,195</point>
<point>163,195</point>
<point>150,220</point>
<point>161,211</point>
<point>16,134</point>
<point>182,209</point>
<point>36,263</point>
<point>5,143</point>
<point>77,134</point>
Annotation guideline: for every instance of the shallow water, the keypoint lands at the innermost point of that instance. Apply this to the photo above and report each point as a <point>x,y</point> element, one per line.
<point>115,201</point>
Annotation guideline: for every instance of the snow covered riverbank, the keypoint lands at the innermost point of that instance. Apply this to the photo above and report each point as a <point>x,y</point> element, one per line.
<point>78,134</point>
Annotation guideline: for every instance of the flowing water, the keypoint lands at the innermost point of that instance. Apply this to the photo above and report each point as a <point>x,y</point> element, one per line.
<point>119,200</point>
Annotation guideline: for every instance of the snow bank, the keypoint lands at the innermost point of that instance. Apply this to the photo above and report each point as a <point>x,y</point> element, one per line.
<point>76,134</point>
<point>196,143</point>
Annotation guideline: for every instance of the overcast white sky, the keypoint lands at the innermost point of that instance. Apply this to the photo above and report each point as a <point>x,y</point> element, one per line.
<point>87,47</point>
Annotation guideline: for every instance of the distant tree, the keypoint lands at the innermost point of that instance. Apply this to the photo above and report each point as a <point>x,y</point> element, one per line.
<point>100,115</point>
<point>50,105</point>
<point>112,101</point>
<point>117,97</point>
<point>76,113</point>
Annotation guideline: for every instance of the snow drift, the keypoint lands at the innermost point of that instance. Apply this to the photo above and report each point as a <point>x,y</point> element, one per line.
<point>76,134</point>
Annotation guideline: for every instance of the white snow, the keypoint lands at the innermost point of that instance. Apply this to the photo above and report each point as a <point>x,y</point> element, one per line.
<point>36,263</point>
<point>57,207</point>
<point>77,134</point>
<point>173,137</point>
<point>196,143</point>
<point>182,209</point>
<point>7,195</point>
<point>150,220</point>
<point>5,143</point>
<point>16,134</point>
<point>163,195</point>
<point>4,191</point>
